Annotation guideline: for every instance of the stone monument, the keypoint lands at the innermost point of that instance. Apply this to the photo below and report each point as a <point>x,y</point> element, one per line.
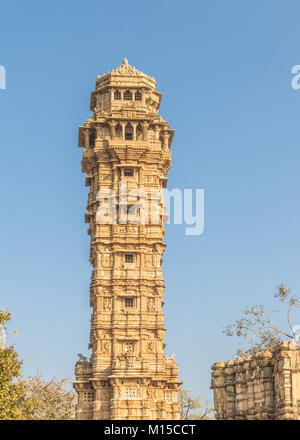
<point>126,145</point>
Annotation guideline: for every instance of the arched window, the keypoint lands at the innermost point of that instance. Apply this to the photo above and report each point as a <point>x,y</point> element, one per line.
<point>128,132</point>
<point>138,96</point>
<point>139,133</point>
<point>117,94</point>
<point>118,131</point>
<point>128,96</point>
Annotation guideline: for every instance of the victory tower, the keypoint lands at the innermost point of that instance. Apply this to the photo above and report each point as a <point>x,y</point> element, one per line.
<point>126,143</point>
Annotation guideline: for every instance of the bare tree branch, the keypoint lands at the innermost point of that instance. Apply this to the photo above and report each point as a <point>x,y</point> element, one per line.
<point>257,328</point>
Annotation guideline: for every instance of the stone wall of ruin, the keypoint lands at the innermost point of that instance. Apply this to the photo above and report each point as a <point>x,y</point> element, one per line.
<point>261,386</point>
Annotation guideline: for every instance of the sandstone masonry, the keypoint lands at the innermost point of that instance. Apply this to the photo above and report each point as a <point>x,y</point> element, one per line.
<point>128,376</point>
<point>262,386</point>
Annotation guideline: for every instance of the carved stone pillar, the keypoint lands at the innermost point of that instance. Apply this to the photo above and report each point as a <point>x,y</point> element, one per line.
<point>166,136</point>
<point>98,131</point>
<point>123,125</point>
<point>113,129</point>
<point>134,125</point>
<point>157,129</point>
<point>145,126</point>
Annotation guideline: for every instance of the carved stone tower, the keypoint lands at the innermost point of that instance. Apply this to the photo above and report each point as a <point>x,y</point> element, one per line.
<point>128,376</point>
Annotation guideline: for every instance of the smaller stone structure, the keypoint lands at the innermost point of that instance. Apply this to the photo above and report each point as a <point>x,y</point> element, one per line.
<point>261,386</point>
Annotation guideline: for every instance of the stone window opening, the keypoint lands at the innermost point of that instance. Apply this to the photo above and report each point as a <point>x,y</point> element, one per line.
<point>128,96</point>
<point>129,347</point>
<point>128,258</point>
<point>128,132</point>
<point>137,96</point>
<point>129,302</point>
<point>124,213</point>
<point>117,95</point>
<point>88,396</point>
<point>128,172</point>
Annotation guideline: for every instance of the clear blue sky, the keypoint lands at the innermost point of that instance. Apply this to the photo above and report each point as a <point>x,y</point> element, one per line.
<point>224,71</point>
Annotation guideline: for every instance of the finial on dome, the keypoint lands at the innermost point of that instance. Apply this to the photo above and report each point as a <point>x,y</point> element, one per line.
<point>125,61</point>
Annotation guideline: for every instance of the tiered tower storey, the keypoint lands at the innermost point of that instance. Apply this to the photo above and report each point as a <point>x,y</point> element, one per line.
<point>128,376</point>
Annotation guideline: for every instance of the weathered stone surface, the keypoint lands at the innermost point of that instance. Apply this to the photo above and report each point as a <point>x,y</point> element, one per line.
<point>262,386</point>
<point>128,375</point>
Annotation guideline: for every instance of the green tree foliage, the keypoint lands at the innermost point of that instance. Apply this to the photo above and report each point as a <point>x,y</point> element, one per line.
<point>31,398</point>
<point>11,392</point>
<point>259,330</point>
<point>48,400</point>
<point>192,408</point>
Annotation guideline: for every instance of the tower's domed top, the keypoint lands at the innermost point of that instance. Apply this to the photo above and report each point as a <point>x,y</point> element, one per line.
<point>125,70</point>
